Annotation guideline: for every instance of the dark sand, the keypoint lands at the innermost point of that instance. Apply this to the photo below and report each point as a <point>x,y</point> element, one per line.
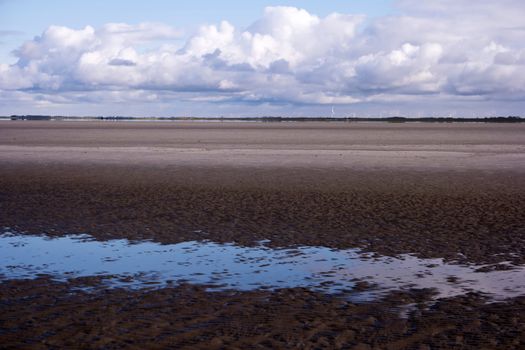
<point>43,314</point>
<point>435,190</point>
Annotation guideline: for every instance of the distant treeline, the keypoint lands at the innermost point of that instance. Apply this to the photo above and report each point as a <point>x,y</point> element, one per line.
<point>509,119</point>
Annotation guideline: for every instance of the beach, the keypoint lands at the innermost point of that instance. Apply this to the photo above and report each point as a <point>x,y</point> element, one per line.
<point>450,191</point>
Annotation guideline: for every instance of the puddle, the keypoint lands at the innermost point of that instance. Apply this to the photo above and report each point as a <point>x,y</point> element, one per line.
<point>228,266</point>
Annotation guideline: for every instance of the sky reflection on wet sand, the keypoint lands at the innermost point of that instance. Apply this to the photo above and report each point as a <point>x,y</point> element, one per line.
<point>228,266</point>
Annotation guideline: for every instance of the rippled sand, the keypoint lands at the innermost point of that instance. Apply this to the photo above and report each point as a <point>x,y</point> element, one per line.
<point>452,191</point>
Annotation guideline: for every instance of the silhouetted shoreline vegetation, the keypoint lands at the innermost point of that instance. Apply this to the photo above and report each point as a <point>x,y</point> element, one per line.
<point>508,119</point>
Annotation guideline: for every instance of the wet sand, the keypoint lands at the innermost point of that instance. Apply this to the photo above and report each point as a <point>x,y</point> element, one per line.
<point>448,191</point>
<point>43,314</point>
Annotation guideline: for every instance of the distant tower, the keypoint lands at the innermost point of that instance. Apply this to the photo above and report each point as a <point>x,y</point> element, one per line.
<point>333,113</point>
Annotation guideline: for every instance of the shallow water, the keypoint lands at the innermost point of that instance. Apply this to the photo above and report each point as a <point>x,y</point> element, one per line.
<point>228,266</point>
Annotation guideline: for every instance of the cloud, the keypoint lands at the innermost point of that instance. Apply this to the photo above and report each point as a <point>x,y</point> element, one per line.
<point>121,62</point>
<point>429,51</point>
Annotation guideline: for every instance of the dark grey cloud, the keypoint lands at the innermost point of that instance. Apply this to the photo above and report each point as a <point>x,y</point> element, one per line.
<point>121,62</point>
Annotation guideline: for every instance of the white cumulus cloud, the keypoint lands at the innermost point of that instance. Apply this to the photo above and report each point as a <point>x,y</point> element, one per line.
<point>429,51</point>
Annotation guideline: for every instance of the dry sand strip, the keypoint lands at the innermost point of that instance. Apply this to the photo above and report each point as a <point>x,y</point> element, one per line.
<point>350,146</point>
<point>496,158</point>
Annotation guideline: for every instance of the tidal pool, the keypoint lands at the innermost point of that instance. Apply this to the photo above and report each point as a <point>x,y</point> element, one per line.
<point>228,266</point>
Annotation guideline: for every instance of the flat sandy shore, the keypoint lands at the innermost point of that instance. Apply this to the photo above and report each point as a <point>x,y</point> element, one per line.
<point>452,191</point>
<point>336,145</point>
<point>437,190</point>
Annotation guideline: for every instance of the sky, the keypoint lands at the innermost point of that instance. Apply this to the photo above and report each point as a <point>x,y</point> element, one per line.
<point>258,58</point>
